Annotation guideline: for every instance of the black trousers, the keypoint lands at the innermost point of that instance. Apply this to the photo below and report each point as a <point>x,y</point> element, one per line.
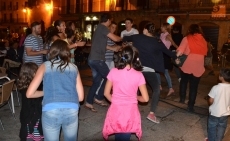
<point>193,86</point>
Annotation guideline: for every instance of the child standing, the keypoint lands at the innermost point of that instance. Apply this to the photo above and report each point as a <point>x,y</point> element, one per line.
<point>62,90</point>
<point>123,116</point>
<point>219,107</point>
<point>31,110</point>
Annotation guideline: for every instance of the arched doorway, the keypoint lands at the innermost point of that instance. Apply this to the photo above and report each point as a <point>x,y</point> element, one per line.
<point>211,32</point>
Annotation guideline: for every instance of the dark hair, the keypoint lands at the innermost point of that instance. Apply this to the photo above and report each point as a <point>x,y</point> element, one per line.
<point>28,31</point>
<point>193,29</point>
<point>69,32</point>
<point>58,23</point>
<point>225,73</point>
<point>59,53</point>
<point>105,17</point>
<point>130,56</point>
<point>129,19</point>
<point>151,28</point>
<point>113,23</point>
<point>26,75</point>
<point>35,24</point>
<point>69,24</point>
<point>50,33</point>
<point>167,26</point>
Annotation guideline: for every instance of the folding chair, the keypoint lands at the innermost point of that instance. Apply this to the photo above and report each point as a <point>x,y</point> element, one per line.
<point>5,92</point>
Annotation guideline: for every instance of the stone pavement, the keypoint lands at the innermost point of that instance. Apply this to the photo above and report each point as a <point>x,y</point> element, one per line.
<point>176,123</point>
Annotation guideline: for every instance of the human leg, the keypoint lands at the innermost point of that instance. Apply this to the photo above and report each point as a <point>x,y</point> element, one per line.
<point>70,124</point>
<point>183,86</point>
<point>169,81</point>
<point>159,79</point>
<point>51,124</point>
<point>96,81</point>
<point>193,86</point>
<point>122,136</point>
<point>177,72</point>
<point>151,79</point>
<point>221,127</point>
<point>212,128</point>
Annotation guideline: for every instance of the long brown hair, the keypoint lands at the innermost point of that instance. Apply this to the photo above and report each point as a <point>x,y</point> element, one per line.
<point>59,54</point>
<point>26,75</point>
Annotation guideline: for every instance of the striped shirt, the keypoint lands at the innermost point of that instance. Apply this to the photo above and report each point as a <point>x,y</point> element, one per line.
<point>36,43</point>
<point>109,53</point>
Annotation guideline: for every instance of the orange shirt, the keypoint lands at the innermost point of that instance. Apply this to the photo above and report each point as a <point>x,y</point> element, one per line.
<point>194,64</point>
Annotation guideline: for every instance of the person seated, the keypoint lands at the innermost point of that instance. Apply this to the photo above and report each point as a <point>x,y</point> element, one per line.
<point>12,53</point>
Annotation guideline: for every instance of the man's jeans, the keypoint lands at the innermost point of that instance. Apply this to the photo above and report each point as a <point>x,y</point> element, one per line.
<point>216,127</point>
<point>53,120</point>
<point>99,71</point>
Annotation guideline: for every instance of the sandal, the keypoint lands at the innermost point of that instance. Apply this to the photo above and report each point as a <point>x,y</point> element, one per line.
<point>91,109</point>
<point>101,103</point>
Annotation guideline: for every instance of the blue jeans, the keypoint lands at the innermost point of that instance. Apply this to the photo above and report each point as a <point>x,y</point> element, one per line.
<point>167,76</point>
<point>216,127</point>
<point>53,120</point>
<point>122,136</point>
<point>99,71</point>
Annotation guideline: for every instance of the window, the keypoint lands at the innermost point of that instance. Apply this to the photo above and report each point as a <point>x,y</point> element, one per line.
<point>5,17</point>
<point>4,6</point>
<point>11,17</point>
<point>10,6</point>
<point>16,8</point>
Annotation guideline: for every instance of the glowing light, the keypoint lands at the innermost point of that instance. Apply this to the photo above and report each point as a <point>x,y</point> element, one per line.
<point>215,1</point>
<point>24,10</point>
<point>87,18</point>
<point>94,18</point>
<point>171,20</point>
<point>49,7</point>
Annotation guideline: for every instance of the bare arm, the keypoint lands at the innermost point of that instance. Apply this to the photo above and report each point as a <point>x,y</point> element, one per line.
<point>75,45</point>
<point>115,48</point>
<point>107,90</point>
<point>79,87</point>
<point>30,52</point>
<point>210,101</point>
<point>32,90</point>
<point>114,37</point>
<point>169,38</point>
<point>144,94</point>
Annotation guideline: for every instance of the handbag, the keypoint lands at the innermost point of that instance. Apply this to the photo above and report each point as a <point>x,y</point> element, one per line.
<point>181,59</point>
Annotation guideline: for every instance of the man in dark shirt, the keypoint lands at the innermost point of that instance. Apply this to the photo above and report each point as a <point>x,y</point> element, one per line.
<point>97,63</point>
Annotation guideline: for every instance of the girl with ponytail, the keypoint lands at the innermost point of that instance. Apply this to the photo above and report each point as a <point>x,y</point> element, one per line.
<point>123,116</point>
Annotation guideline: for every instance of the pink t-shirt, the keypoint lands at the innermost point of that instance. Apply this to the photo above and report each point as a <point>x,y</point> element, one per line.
<point>125,84</point>
<point>167,43</point>
<point>123,115</point>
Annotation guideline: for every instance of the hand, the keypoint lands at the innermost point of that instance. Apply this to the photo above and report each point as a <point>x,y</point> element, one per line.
<point>80,43</point>
<point>177,61</point>
<point>117,48</point>
<point>45,51</point>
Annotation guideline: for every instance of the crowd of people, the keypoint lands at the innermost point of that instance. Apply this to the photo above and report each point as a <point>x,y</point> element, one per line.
<point>51,86</point>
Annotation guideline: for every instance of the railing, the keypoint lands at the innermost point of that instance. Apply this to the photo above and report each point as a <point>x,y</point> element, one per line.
<point>160,5</point>
<point>19,20</point>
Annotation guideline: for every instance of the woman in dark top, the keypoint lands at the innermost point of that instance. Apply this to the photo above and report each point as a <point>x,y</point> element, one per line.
<point>151,57</point>
<point>30,115</point>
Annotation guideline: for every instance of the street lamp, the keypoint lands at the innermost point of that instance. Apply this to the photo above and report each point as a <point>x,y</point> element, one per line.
<point>49,7</point>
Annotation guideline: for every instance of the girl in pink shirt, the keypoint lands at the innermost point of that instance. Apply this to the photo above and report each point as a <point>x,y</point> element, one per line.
<point>123,116</point>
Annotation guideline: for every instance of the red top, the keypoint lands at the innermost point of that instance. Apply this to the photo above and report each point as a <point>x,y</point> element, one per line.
<point>194,64</point>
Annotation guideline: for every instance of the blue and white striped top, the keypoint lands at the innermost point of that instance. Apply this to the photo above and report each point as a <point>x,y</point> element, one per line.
<point>109,53</point>
<point>36,43</point>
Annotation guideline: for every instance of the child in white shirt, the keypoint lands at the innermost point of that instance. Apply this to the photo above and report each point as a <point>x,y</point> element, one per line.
<point>219,107</point>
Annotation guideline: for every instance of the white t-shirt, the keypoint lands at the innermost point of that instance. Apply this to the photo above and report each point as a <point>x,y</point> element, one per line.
<point>221,95</point>
<point>129,33</point>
